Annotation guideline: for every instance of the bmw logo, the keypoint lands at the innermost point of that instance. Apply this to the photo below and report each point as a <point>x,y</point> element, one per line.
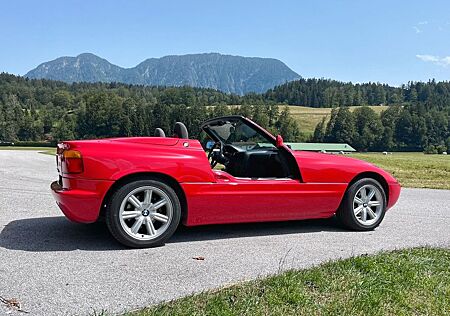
<point>145,212</point>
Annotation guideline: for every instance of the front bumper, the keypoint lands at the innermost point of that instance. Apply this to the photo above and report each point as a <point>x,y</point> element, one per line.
<point>80,200</point>
<point>394,193</point>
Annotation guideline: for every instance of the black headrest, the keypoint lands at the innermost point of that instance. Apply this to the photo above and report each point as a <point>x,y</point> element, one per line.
<point>180,130</point>
<point>159,132</point>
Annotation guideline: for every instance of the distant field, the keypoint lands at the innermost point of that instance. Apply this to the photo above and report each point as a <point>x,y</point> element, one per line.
<point>307,118</point>
<point>42,150</point>
<point>414,170</point>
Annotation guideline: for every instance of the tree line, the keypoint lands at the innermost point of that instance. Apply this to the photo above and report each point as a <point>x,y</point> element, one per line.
<point>332,93</point>
<point>46,110</point>
<point>407,128</point>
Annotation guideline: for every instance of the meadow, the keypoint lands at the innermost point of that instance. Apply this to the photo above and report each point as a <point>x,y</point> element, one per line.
<point>413,170</point>
<point>406,282</point>
<point>307,117</point>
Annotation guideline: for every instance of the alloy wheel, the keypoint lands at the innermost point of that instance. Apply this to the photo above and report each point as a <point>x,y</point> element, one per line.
<point>145,213</point>
<point>368,204</point>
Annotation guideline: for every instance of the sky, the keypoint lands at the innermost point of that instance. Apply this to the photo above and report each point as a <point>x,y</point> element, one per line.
<point>383,41</point>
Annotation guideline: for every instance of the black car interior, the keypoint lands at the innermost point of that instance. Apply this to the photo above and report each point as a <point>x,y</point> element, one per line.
<point>254,161</point>
<point>179,131</point>
<point>247,152</point>
<point>159,132</point>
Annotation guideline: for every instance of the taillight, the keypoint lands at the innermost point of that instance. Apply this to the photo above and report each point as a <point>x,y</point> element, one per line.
<point>60,148</point>
<point>72,161</point>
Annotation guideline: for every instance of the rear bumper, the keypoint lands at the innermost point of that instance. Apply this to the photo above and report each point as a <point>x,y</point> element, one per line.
<point>80,200</point>
<point>394,193</point>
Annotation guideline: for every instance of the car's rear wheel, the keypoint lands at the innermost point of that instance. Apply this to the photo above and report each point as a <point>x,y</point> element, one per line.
<point>143,213</point>
<point>363,206</point>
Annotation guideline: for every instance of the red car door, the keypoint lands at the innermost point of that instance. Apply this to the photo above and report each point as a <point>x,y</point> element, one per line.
<point>233,200</point>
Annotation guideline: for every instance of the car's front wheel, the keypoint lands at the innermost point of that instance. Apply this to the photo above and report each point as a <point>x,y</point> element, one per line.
<point>363,206</point>
<point>143,213</point>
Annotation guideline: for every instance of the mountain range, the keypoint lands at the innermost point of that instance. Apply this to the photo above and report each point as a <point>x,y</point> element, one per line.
<point>231,74</point>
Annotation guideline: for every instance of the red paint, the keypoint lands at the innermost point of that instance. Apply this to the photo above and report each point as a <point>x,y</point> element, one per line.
<point>80,200</point>
<point>233,200</point>
<point>212,196</point>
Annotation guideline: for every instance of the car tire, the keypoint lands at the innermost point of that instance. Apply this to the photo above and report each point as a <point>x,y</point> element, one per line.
<point>144,213</point>
<point>363,206</point>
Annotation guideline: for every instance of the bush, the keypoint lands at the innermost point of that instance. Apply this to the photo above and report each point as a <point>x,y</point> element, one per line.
<point>441,148</point>
<point>430,149</point>
<point>34,144</point>
<point>435,149</point>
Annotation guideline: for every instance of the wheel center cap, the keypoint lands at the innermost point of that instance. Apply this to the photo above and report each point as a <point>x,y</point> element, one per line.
<point>145,212</point>
<point>365,204</point>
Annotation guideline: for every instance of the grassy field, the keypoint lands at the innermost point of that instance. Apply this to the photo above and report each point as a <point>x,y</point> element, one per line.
<point>414,170</point>
<point>42,150</point>
<point>406,282</point>
<point>307,118</point>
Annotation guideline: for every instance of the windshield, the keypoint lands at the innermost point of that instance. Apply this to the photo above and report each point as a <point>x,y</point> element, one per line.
<point>239,134</point>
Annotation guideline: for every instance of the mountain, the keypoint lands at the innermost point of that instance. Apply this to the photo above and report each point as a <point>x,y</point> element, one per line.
<point>233,74</point>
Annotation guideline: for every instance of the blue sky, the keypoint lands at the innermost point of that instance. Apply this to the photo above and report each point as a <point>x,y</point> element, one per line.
<point>359,41</point>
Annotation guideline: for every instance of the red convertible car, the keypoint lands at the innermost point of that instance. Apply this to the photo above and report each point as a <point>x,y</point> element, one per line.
<point>145,186</point>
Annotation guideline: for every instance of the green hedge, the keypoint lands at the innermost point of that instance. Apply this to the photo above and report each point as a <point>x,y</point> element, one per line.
<point>34,144</point>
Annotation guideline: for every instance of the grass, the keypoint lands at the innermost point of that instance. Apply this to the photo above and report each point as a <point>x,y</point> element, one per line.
<point>406,282</point>
<point>307,117</point>
<point>42,150</point>
<point>414,170</point>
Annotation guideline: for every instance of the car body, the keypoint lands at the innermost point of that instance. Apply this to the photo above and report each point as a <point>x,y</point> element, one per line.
<point>312,185</point>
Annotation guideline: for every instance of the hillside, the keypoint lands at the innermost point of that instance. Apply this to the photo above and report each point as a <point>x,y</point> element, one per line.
<point>230,74</point>
<point>307,117</point>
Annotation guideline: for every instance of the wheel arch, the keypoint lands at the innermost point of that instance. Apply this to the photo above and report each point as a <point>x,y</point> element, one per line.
<point>372,175</point>
<point>142,176</point>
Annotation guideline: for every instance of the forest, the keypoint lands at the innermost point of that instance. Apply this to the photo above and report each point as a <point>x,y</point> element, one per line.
<point>417,118</point>
<point>42,110</point>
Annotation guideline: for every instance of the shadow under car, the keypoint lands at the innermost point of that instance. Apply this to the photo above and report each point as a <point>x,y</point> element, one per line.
<point>59,234</point>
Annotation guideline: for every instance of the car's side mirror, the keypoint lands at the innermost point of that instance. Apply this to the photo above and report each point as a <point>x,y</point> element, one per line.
<point>279,141</point>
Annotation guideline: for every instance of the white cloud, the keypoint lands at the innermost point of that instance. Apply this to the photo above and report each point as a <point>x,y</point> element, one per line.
<point>440,61</point>
<point>417,29</point>
<point>423,23</point>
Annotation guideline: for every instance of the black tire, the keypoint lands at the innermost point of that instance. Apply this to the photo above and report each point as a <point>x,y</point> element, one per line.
<point>113,211</point>
<point>346,214</point>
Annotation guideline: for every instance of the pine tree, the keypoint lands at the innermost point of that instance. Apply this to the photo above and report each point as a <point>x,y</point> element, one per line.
<point>343,129</point>
<point>369,130</point>
<point>287,127</point>
<point>319,132</point>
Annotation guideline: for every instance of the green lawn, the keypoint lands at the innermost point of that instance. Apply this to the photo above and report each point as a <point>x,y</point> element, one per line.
<point>414,170</point>
<point>406,282</point>
<point>42,150</point>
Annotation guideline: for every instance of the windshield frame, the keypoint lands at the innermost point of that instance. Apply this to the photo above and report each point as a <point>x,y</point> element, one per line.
<point>258,129</point>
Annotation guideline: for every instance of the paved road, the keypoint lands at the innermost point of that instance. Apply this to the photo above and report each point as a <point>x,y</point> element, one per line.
<point>55,267</point>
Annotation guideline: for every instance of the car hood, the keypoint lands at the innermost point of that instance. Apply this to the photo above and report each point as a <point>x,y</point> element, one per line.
<point>330,158</point>
<point>326,168</point>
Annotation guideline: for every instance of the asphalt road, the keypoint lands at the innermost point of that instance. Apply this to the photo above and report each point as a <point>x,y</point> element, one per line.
<point>55,267</point>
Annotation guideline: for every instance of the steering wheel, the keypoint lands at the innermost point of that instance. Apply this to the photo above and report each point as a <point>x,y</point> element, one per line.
<point>215,153</point>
